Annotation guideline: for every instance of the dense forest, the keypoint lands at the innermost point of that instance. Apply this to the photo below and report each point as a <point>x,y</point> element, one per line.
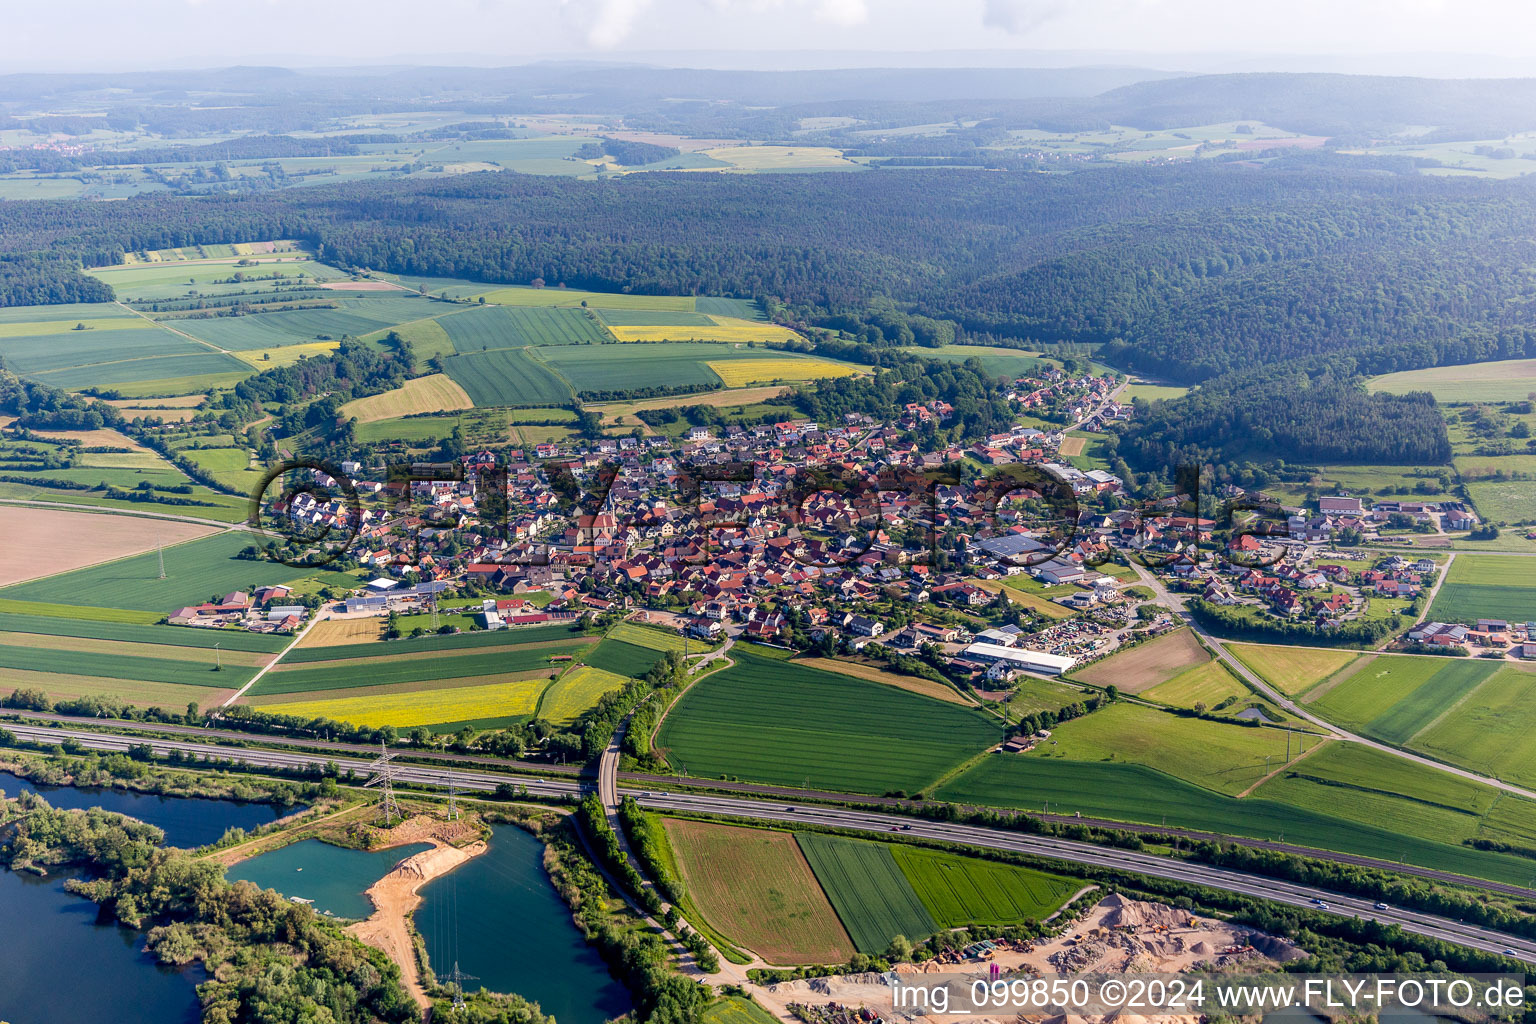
<point>1273,286</point>
<point>1186,272</point>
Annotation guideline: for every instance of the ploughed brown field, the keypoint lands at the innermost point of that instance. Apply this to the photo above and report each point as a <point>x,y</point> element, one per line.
<point>45,541</point>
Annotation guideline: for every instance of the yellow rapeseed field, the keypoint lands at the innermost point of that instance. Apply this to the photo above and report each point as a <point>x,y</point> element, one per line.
<point>423,707</point>
<point>576,691</point>
<point>725,328</point>
<point>741,372</point>
<point>286,355</point>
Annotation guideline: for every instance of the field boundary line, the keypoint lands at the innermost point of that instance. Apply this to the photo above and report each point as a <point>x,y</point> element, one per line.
<point>1434,592</point>
<point>1458,702</point>
<point>1320,689</point>
<point>1299,757</point>
<point>210,346</point>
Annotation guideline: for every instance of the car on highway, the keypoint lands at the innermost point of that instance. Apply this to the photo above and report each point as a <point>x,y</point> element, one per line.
<point>1510,952</point>
<point>1319,904</point>
<point>1381,906</point>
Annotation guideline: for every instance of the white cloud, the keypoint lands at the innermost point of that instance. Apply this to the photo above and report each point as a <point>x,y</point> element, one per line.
<point>843,13</point>
<point>605,23</point>
<point>1021,16</point>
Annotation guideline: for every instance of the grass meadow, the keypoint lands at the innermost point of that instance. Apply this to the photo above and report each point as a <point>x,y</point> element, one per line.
<point>1508,380</point>
<point>1487,587</point>
<point>576,692</point>
<point>1491,730</point>
<point>1220,756</point>
<point>1393,698</point>
<point>1138,794</point>
<point>1291,670</point>
<point>1207,684</point>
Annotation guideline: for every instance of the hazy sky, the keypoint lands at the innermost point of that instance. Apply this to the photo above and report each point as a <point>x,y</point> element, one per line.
<point>110,34</point>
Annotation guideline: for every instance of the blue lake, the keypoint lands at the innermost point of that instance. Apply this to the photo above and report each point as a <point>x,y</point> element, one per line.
<point>60,964</point>
<point>188,821</point>
<point>502,920</point>
<point>334,877</point>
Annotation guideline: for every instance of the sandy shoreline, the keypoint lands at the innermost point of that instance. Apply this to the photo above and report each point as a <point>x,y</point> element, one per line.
<point>397,895</point>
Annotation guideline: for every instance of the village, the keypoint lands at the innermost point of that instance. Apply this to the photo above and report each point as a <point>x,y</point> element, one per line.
<point>984,562</point>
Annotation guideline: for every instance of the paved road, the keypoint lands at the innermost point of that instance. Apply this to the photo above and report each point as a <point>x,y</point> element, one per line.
<point>1434,591</point>
<point>1337,732</point>
<point>138,513</point>
<point>858,820</point>
<point>780,793</point>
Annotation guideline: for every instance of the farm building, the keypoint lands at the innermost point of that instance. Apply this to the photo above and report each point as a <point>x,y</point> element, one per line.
<point>1022,658</point>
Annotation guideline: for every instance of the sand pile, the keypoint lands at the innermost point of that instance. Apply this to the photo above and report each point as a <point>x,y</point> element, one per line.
<point>1122,912</point>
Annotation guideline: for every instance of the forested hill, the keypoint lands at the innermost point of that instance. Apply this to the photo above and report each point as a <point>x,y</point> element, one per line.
<point>1189,272</point>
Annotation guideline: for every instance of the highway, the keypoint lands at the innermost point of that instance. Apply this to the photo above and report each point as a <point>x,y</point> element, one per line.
<point>860,820</point>
<point>333,748</point>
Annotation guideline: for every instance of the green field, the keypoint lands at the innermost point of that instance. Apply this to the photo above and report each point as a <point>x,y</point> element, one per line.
<point>651,318</point>
<point>737,1010</point>
<point>959,891</point>
<point>786,724</point>
<point>152,282</point>
<point>625,659</point>
<point>1403,720</point>
<point>76,359</point>
<point>117,666</point>
<point>1291,669</point>
<point>1491,730</point>
<point>576,692</point>
<point>384,671</point>
<point>1220,756</point>
<point>1152,392</point>
<point>494,327</point>
<point>174,636</point>
<point>1487,587</point>
<point>655,639</point>
<point>868,890</point>
<point>742,309</point>
<point>626,367</point>
<point>1508,380</point>
<point>519,295</point>
<point>1507,501</point>
<point>195,571</point>
<point>1206,684</point>
<point>997,362</point>
<point>509,376</point>
<point>68,313</point>
<point>415,645</point>
<point>1380,789</point>
<point>1391,698</point>
<point>1134,793</point>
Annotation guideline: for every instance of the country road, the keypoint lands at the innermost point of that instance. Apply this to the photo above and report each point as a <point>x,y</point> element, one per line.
<point>1281,700</point>
<point>857,820</point>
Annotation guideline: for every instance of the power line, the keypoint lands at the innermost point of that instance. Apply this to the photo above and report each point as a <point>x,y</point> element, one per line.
<point>384,772</point>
